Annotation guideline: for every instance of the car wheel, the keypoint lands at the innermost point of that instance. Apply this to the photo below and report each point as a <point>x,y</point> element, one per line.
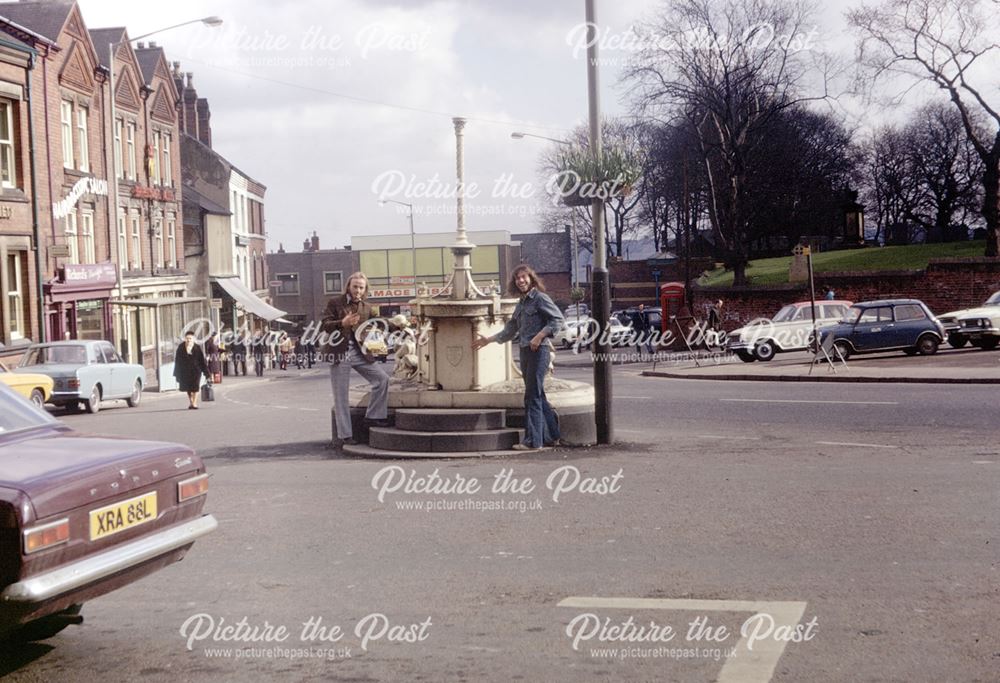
<point>745,356</point>
<point>988,343</point>
<point>927,345</point>
<point>93,404</point>
<point>957,341</point>
<point>47,626</point>
<point>765,350</point>
<point>136,395</point>
<point>842,350</point>
<point>37,397</point>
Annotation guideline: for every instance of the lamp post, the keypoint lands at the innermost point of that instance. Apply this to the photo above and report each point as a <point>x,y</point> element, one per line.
<point>599,287</point>
<point>211,21</point>
<point>413,239</point>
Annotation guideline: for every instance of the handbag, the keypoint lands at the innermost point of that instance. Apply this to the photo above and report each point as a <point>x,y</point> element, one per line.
<point>207,393</point>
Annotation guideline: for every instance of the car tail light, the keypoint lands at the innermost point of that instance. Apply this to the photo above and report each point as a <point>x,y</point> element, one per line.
<point>191,488</point>
<point>46,536</point>
<point>73,383</point>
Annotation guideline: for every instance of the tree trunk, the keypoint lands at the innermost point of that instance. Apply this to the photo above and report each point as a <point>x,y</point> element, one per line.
<point>991,201</point>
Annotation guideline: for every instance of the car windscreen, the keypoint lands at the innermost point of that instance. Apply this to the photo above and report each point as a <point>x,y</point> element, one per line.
<point>993,300</point>
<point>75,354</point>
<point>852,314</point>
<point>786,314</point>
<point>17,413</point>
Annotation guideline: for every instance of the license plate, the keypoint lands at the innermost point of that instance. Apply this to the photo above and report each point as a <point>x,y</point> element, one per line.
<point>109,520</point>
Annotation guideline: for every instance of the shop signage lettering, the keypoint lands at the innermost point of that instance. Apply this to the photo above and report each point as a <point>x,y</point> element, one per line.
<point>90,273</point>
<point>160,195</point>
<point>6,212</point>
<point>83,186</point>
<point>386,292</point>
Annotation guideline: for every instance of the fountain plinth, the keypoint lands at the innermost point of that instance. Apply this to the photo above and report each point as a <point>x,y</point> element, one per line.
<point>451,375</point>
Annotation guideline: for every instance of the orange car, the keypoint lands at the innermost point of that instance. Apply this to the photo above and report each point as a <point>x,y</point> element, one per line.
<point>34,387</point>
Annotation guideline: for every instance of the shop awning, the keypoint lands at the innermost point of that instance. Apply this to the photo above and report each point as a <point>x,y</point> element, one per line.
<point>250,301</point>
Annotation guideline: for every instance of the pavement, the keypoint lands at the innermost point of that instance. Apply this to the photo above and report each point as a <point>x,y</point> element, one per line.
<point>948,366</point>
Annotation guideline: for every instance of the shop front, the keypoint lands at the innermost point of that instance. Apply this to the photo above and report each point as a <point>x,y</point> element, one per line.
<point>77,302</point>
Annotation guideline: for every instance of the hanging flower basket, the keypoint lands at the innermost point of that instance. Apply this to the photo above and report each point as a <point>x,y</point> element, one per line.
<point>585,178</point>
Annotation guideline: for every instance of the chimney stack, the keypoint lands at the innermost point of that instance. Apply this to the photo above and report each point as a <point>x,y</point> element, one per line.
<point>315,241</point>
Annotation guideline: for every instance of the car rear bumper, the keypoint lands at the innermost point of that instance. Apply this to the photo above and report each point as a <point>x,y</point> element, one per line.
<point>92,569</point>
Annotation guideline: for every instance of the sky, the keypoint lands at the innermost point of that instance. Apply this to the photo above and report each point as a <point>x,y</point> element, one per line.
<point>336,104</point>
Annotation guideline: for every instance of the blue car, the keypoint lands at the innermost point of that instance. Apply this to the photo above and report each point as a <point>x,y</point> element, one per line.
<point>905,325</point>
<point>85,371</point>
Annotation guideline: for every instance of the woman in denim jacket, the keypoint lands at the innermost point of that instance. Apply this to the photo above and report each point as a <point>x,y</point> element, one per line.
<point>535,319</point>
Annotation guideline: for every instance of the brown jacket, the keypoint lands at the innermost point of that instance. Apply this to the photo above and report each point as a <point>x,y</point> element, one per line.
<point>336,309</point>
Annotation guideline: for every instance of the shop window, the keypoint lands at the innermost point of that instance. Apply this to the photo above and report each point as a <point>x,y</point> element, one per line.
<point>90,319</point>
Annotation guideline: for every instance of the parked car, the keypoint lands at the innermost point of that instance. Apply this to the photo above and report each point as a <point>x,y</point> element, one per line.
<point>84,515</point>
<point>574,330</point>
<point>619,333</point>
<point>34,387</point>
<point>85,371</point>
<point>576,310</point>
<point>788,330</point>
<point>982,328</point>
<point>892,324</point>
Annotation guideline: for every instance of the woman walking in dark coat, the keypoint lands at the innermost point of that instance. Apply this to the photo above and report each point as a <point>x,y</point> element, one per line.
<point>189,366</point>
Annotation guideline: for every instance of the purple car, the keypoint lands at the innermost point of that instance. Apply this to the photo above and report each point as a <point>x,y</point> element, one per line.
<point>82,515</point>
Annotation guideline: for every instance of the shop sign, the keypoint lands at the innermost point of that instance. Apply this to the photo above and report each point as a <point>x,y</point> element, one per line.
<point>90,274</point>
<point>156,194</point>
<point>387,292</point>
<point>6,212</point>
<point>83,186</point>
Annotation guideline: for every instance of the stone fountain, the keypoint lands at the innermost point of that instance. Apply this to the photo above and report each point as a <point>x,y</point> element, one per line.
<point>454,383</point>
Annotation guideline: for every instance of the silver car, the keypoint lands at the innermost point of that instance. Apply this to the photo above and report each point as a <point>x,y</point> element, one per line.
<point>86,372</point>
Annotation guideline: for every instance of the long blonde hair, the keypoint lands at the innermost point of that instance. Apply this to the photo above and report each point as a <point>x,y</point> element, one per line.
<point>356,276</point>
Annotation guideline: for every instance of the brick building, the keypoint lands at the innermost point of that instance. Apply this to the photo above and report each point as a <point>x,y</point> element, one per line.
<point>304,281</point>
<point>107,199</point>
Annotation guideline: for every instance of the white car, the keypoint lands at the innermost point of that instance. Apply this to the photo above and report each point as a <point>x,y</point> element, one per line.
<point>788,330</point>
<point>574,330</point>
<point>980,325</point>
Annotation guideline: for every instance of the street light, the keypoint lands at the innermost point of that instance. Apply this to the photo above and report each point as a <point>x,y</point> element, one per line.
<point>413,242</point>
<point>212,21</point>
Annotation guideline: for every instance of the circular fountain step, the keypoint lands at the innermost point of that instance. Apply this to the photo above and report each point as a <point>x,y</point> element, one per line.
<point>450,419</point>
<point>395,439</point>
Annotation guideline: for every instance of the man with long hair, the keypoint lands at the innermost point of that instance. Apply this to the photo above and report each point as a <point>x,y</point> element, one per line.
<point>342,318</point>
<point>535,319</point>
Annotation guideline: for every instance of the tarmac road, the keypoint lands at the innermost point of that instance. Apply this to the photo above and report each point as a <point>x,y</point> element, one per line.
<point>872,504</point>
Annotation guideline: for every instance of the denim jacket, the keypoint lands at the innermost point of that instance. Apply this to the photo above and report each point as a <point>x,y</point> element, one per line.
<point>534,312</point>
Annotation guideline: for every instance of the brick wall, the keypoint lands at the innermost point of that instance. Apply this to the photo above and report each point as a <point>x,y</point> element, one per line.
<point>946,285</point>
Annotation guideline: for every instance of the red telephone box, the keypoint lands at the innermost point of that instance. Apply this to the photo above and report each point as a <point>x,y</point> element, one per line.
<point>671,302</point>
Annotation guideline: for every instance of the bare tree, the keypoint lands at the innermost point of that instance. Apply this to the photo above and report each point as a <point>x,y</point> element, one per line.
<point>945,42</point>
<point>948,172</point>
<point>727,67</point>
<point>889,187</point>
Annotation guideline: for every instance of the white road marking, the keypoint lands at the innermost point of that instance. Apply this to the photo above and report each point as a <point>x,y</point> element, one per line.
<point>746,665</point>
<point>858,445</point>
<point>734,438</point>
<point>983,462</point>
<point>636,398</point>
<point>788,400</point>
